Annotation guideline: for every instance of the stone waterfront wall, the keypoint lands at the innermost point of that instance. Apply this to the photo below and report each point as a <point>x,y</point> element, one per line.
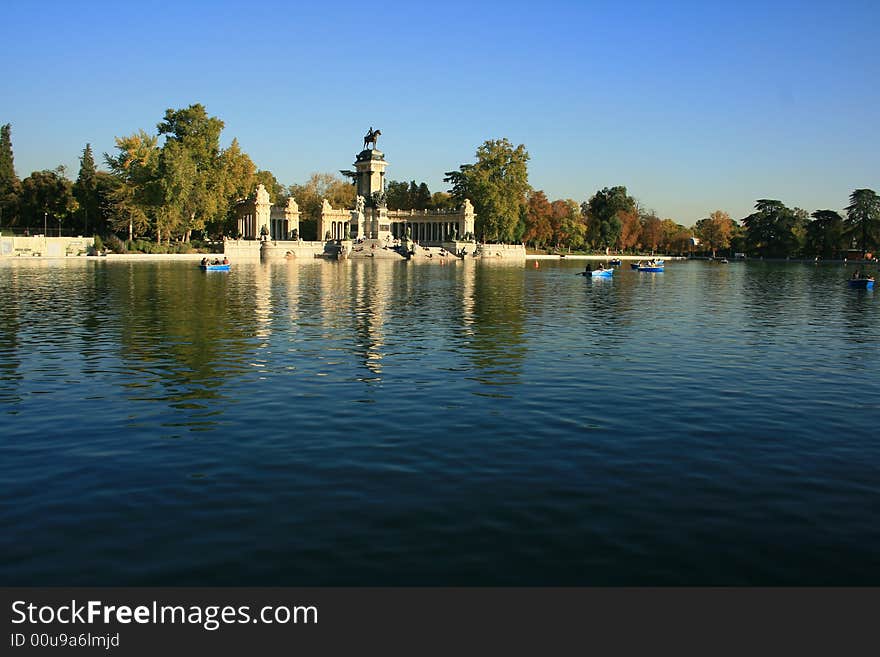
<point>500,251</point>
<point>47,247</point>
<point>242,249</point>
<point>281,250</point>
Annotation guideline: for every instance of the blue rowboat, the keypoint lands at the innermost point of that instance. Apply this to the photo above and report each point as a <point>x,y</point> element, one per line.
<point>598,273</point>
<point>862,283</point>
<point>652,268</point>
<point>214,267</point>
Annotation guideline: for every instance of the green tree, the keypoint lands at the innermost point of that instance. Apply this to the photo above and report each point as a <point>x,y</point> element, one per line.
<point>47,199</point>
<point>191,181</point>
<point>769,230</point>
<point>498,185</point>
<point>602,212</point>
<point>10,186</point>
<point>825,234</point>
<point>135,201</point>
<point>567,224</point>
<point>397,195</point>
<point>863,218</point>
<point>85,190</point>
<point>107,186</point>
<point>422,198</point>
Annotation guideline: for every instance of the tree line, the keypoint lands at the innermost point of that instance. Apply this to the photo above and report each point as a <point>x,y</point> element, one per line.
<point>187,186</point>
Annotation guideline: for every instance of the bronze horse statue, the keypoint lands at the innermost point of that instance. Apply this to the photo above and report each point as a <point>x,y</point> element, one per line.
<point>371,137</point>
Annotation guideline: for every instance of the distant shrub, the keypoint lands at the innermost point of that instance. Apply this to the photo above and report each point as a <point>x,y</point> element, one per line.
<point>115,244</point>
<point>99,244</point>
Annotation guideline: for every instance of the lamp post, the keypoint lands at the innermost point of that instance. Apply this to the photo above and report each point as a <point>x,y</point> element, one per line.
<point>45,224</point>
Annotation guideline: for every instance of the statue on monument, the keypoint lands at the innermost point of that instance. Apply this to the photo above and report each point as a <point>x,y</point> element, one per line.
<point>372,137</point>
<point>360,204</point>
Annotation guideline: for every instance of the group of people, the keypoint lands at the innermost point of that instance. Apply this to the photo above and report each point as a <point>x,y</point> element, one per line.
<point>858,275</point>
<point>215,261</point>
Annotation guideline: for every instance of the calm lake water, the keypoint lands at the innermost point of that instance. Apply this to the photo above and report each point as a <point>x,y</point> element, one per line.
<point>375,423</point>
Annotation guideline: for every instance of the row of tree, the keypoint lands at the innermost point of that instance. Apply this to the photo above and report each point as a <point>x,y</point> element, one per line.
<point>188,185</point>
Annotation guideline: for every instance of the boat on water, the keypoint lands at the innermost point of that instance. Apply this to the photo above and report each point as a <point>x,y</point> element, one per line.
<point>862,283</point>
<point>650,266</point>
<point>602,272</point>
<point>615,262</point>
<point>635,265</point>
<point>216,265</point>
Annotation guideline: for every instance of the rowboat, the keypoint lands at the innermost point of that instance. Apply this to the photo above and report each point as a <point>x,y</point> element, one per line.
<point>862,283</point>
<point>656,268</point>
<point>214,267</point>
<point>598,273</point>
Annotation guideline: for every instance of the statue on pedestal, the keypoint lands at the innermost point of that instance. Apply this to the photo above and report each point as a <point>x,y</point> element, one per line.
<point>371,137</point>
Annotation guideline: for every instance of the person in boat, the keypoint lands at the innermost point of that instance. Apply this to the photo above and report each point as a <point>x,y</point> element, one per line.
<point>204,261</point>
<point>588,269</point>
<point>856,275</point>
<point>216,261</point>
<point>225,260</point>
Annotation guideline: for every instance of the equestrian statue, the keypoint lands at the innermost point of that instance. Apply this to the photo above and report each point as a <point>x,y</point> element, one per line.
<point>372,137</point>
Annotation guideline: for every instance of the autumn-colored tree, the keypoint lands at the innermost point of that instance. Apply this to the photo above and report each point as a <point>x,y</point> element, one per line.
<point>538,215</point>
<point>652,232</point>
<point>715,231</point>
<point>630,229</point>
<point>338,192</point>
<point>675,238</point>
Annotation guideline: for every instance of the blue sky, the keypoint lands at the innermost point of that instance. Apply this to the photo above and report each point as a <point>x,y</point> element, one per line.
<point>693,106</point>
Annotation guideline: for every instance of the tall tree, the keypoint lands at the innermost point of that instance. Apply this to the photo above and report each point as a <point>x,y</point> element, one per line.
<point>85,190</point>
<point>567,223</point>
<point>825,236</point>
<point>189,169</point>
<point>497,184</point>
<point>715,230</point>
<point>422,198</point>
<point>10,186</point>
<point>630,229</point>
<point>602,212</point>
<point>539,230</point>
<point>136,199</point>
<point>397,195</point>
<point>651,232</point>
<point>769,229</point>
<point>863,218</point>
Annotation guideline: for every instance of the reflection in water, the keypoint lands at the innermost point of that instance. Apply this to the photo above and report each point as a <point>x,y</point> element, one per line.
<point>10,329</point>
<point>346,422</point>
<point>497,346</point>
